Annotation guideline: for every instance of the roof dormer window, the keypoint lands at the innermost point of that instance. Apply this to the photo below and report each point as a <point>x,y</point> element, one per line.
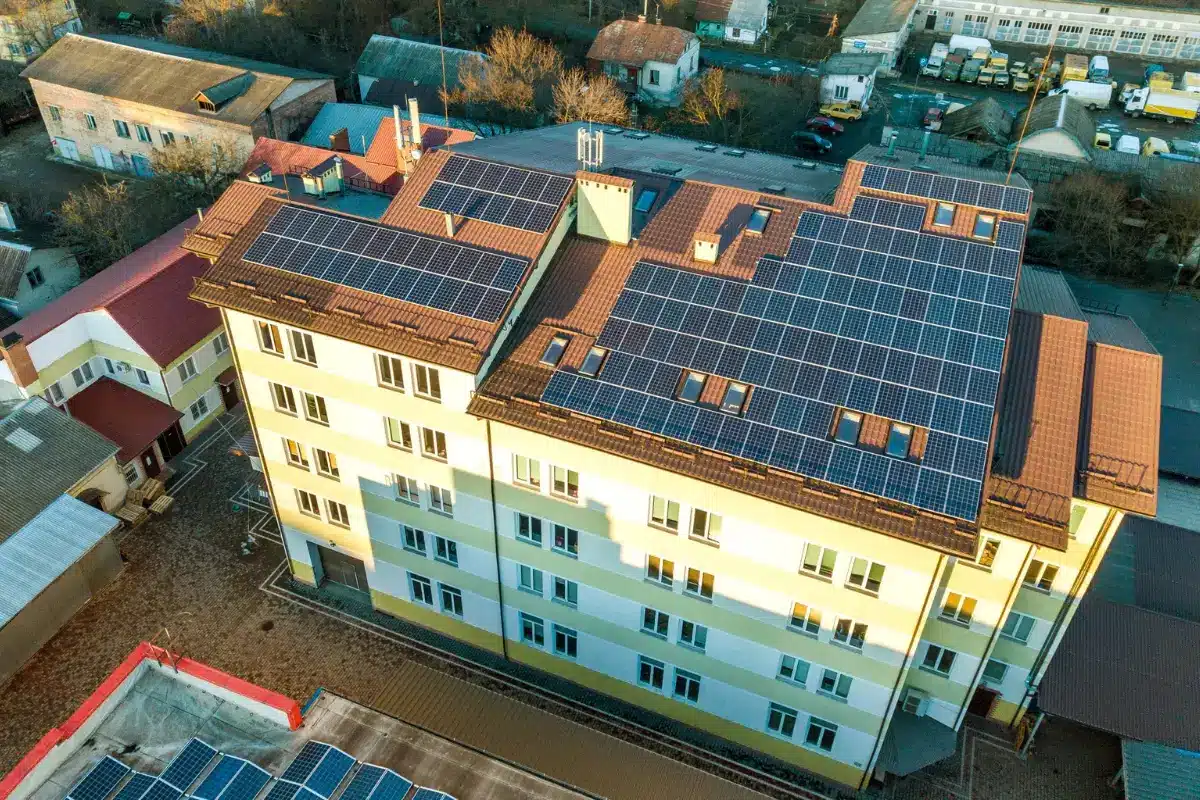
<point>985,226</point>
<point>943,215</point>
<point>692,386</point>
<point>899,440</point>
<point>554,351</point>
<point>758,221</point>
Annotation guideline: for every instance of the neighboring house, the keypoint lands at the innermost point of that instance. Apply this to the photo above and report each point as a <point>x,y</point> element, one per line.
<point>391,70</point>
<point>741,21</point>
<point>111,100</point>
<point>1058,126</point>
<point>983,121</point>
<point>849,78</point>
<point>59,479</point>
<point>363,124</point>
<point>27,28</point>
<point>32,276</point>
<point>635,427</point>
<point>127,352</point>
<point>880,26</point>
<point>650,61</point>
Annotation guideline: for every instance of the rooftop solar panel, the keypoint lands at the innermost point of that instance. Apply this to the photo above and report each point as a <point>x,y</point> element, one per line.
<point>188,764</point>
<point>447,276</point>
<point>135,787</point>
<point>995,196</point>
<point>330,773</point>
<point>100,780</point>
<point>161,790</point>
<point>283,790</point>
<point>391,787</point>
<point>218,778</point>
<point>247,784</point>
<point>497,193</point>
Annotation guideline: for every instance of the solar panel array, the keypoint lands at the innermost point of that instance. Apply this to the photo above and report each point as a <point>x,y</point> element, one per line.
<point>316,772</point>
<point>866,313</point>
<point>431,794</point>
<point>232,779</point>
<point>100,780</point>
<point>376,783</point>
<point>406,266</point>
<point>512,196</point>
<point>188,765</point>
<point>951,190</point>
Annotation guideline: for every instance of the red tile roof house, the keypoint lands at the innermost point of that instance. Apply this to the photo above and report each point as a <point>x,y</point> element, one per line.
<point>129,354</point>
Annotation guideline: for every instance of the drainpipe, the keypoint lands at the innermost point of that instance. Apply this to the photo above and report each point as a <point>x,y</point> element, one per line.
<point>496,538</point>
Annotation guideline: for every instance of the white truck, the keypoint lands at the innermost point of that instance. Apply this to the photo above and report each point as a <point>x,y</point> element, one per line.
<point>968,43</point>
<point>937,57</point>
<point>1168,104</point>
<point>1093,95</point>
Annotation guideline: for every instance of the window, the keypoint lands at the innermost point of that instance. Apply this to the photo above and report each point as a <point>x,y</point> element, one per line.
<point>994,672</point>
<point>89,121</point>
<point>793,670</point>
<point>985,226</point>
<point>529,529</point>
<point>841,92</point>
<point>899,438</point>
<point>566,591</point>
<point>566,641</point>
<point>565,482</point>
<point>451,600</point>
<point>987,553</point>
<point>1040,576</point>
<point>820,734</point>
<point>593,361</point>
<point>1077,515</point>
<point>433,444</point>
<point>35,277</point>
<point>56,392</point>
<point>737,33</point>
<point>421,588</point>
<point>735,398</point>
<point>406,490</point>
<point>850,633</point>
<point>429,385</point>
<point>693,634</point>
<point>818,561</point>
<point>327,464</point>
<point>664,513</point>
<point>847,427</point>
<point>314,409</point>
<point>1131,41</point>
<point>268,338</point>
<point>309,504</point>
<point>650,672</point>
<point>144,377</point>
<point>55,113</point>
<point>566,540</point>
<point>529,579</point>
<point>338,514</point>
<point>221,344</point>
<point>938,659</point>
<point>168,138</point>
<point>441,501</point>
<point>655,622</point>
<point>391,371</point>
<point>699,583</point>
<point>14,50</point>
<point>943,215</point>
<point>781,720</point>
<point>122,128</point>
<point>302,348</point>
<point>198,409</point>
<point>414,539</point>
<point>1038,32</point>
<point>533,630</point>
<point>1162,44</point>
<point>527,471</point>
<point>706,526</point>
<point>758,220</point>
<point>284,399</point>
<point>1068,36</point>
<point>130,471</point>
<point>143,132</point>
<point>654,77</point>
<point>865,575</point>
<point>187,370</point>
<point>82,374</point>
<point>687,686</point>
<point>1017,626</point>
<point>805,619</point>
<point>692,386</point>
<point>835,684</point>
<point>645,201</point>
<point>445,550</point>
<point>554,350</point>
<point>399,434</point>
<point>660,571</point>
<point>958,608</point>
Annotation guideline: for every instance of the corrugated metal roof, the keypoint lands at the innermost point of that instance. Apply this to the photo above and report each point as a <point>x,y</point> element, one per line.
<point>13,258</point>
<point>410,60</point>
<point>879,16</point>
<point>1045,291</point>
<point>1179,451</point>
<point>62,452</point>
<point>1117,330</point>
<point>1154,772</point>
<point>748,14</point>
<point>46,547</point>
<point>851,63</point>
<point>360,122</point>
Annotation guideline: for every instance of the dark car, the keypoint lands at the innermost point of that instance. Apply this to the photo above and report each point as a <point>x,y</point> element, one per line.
<point>824,125</point>
<point>811,142</point>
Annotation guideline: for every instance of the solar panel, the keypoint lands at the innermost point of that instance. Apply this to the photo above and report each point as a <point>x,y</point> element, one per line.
<point>188,765</point>
<point>100,780</point>
<point>431,794</point>
<point>330,773</point>
<point>305,762</point>
<point>446,276</point>
<point>372,782</point>
<point>135,787</point>
<point>391,787</point>
<point>283,790</point>
<point>161,790</point>
<point>995,196</point>
<point>917,338</point>
<point>249,782</point>
<point>219,778</point>
<point>497,193</point>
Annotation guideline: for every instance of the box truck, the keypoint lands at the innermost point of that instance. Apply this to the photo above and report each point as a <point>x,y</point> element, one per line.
<point>1191,82</point>
<point>968,43</point>
<point>1168,104</point>
<point>1098,70</point>
<point>1093,95</point>
<point>1075,68</point>
<point>937,57</point>
<point>953,67</point>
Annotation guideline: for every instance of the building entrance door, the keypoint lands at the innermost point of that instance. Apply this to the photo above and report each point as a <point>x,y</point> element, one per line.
<point>343,569</point>
<point>67,148</point>
<point>982,701</point>
<point>229,396</point>
<point>102,156</point>
<point>930,20</point>
<point>171,442</point>
<point>150,462</point>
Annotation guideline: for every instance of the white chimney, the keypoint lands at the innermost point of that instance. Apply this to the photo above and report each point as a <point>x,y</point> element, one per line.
<point>414,125</point>
<point>450,224</point>
<point>399,133</point>
<point>6,218</point>
<point>337,167</point>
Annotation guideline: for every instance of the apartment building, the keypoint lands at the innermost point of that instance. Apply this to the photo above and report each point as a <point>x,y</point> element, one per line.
<point>128,353</point>
<point>110,100</point>
<point>28,28</point>
<point>744,458</point>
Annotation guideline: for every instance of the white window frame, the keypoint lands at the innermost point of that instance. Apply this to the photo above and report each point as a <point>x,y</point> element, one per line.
<point>569,638</point>
<point>661,573</point>
<point>1019,621</point>
<point>405,442</point>
<point>445,550</point>
<point>819,568</point>
<point>284,399</point>
<point>338,513</point>
<point>142,376</point>
<point>850,633</point>
<point>420,589</point>
<point>565,591</point>
<point>694,576</point>
<point>691,682</point>
<point>655,623</point>
<point>1043,576</point>
<point>693,635</point>
<point>860,574</point>
<point>781,720</point>
<point>990,680</point>
<point>413,540</point>
<point>389,371</point>
<point>663,520</point>
<point>315,409</point>
<point>793,670</point>
<point>221,344</point>
<point>82,375</point>
<point>327,465</point>
<point>935,654</point>
<point>186,369</point>
<point>958,608</point>
<point>269,340</point>
<point>657,673</point>
<point>533,533</point>
<point>530,579</point>
<point>810,624</point>
<point>427,383</point>
<point>533,630</point>
<point>303,350</point>
<point>527,472</point>
<point>451,600</point>
<point>564,540</point>
<point>840,682</point>
<point>562,477</point>
<point>308,503</point>
<point>407,490</point>
<point>199,409</point>
<point>441,501</point>
<point>433,445</point>
<point>705,527</point>
<point>821,727</point>
<point>989,548</point>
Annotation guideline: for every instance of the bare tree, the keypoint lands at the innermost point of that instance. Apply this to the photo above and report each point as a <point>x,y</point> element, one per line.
<point>1091,232</point>
<point>96,222</point>
<point>711,105</point>
<point>514,82</point>
<point>1174,219</point>
<point>195,172</point>
<point>37,24</point>
<point>589,97</point>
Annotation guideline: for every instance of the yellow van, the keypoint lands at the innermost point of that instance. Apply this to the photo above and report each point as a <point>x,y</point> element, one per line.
<point>1155,146</point>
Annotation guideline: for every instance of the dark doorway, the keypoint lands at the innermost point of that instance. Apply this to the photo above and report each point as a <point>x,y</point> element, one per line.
<point>170,442</point>
<point>344,569</point>
<point>229,396</point>
<point>150,463</point>
<point>982,701</point>
<point>930,20</point>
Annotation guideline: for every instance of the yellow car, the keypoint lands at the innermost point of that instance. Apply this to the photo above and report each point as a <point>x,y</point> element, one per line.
<point>841,111</point>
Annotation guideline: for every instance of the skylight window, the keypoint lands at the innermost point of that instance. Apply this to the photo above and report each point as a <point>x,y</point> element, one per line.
<point>899,440</point>
<point>944,216</point>
<point>985,226</point>
<point>847,427</point>
<point>645,200</point>
<point>758,220</point>
<point>707,148</point>
<point>554,351</point>
<point>693,385</point>
<point>593,361</point>
<point>735,398</point>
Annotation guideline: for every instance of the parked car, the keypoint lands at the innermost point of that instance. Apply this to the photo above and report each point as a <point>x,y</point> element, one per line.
<point>841,111</point>
<point>1103,141</point>
<point>1001,80</point>
<point>1129,144</point>
<point>933,119</point>
<point>811,142</point>
<point>1017,67</point>
<point>824,125</point>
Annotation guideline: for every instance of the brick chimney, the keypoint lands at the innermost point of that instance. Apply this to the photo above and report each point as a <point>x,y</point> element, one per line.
<point>12,347</point>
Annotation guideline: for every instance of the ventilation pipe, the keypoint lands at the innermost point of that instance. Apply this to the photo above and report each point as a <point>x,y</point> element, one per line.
<point>924,146</point>
<point>892,145</point>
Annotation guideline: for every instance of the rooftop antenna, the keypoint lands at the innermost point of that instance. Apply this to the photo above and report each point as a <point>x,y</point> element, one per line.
<point>589,148</point>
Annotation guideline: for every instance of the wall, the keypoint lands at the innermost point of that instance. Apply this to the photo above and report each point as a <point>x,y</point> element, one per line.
<point>185,396</point>
<point>889,45</point>
<point>291,113</point>
<point>60,271</point>
<point>856,89</point>
<point>61,17</point>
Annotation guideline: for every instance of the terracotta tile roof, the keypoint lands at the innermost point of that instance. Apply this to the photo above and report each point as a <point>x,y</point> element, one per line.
<point>634,43</point>
<point>226,217</point>
<point>382,149</point>
<point>123,415</point>
<point>285,157</point>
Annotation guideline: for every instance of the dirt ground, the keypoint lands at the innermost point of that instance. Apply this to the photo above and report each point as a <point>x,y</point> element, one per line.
<point>26,173</point>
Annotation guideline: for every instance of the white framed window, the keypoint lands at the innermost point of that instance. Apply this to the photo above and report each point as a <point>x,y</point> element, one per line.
<point>269,340</point>
<point>664,513</point>
<point>566,641</point>
<point>687,686</point>
<point>566,592</point>
<point>441,501</point>
<point>187,369</point>
<point>433,444</point>
<point>1018,627</point>
<point>706,526</point>
<point>309,504</point>
<point>818,561</point>
<point>445,550</point>
<point>841,92</point>
<point>82,374</point>
<point>850,633</point>
<point>565,540</point>
<point>421,589</point>
<point>1068,36</point>
<point>943,215</point>
<point>414,539</point>
<point>221,344</point>
<point>302,348</point>
<point>314,409</point>
<point>693,634</point>
<point>427,382</point>
<point>994,672</point>
<point>168,138</point>
<point>143,133</point>
<point>529,529</point>
<point>781,720</point>
<point>651,673</point>
<point>654,77</point>
<point>130,471</point>
<point>527,472</point>
<point>390,371</point>
<point>529,579</point>
<point>985,226</point>
<point>1040,575</point>
<point>284,398</point>
<point>142,376</point>
<point>660,571</point>
<point>199,409</point>
<point>452,602</point>
<point>699,584</point>
<point>805,619</point>
<point>564,483</point>
<point>938,660</point>
<point>406,490</point>
<point>865,575</point>
<point>399,434</point>
<point>327,464</point>
<point>958,608</point>
<point>56,392</point>
<point>793,670</point>
<point>554,350</point>
<point>338,515</point>
<point>533,630</point>
<point>655,622</point>
<point>835,684</point>
<point>987,553</point>
<point>820,734</point>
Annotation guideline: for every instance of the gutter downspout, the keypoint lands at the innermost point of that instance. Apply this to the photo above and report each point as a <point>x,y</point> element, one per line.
<point>496,538</point>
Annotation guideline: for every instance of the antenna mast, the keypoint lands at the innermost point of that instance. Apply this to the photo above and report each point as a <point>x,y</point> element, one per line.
<point>589,148</point>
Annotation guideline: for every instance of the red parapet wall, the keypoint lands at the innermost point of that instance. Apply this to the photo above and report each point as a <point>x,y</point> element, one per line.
<point>144,651</point>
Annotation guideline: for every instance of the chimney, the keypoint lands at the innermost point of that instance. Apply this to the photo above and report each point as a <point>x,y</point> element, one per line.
<point>12,348</point>
<point>414,126</point>
<point>645,11</point>
<point>892,145</point>
<point>450,224</point>
<point>706,247</point>
<point>337,168</point>
<point>605,206</point>
<point>6,218</point>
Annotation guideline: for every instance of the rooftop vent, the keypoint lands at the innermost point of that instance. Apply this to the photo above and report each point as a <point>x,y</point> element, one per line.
<point>736,153</point>
<point>806,165</point>
<point>707,148</point>
<point>614,131</point>
<point>639,135</point>
<point>23,440</point>
<point>774,188</point>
